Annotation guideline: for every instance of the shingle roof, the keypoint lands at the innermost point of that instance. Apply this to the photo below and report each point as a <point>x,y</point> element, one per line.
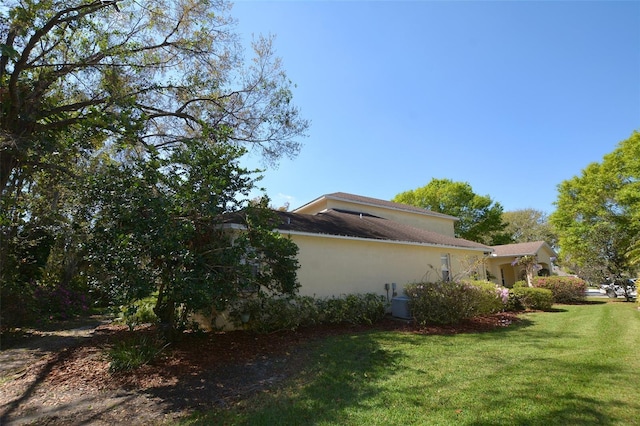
<point>518,249</point>
<point>357,225</point>
<point>359,199</point>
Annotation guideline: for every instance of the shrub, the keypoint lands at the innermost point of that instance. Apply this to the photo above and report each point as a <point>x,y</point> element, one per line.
<point>129,354</point>
<point>531,298</point>
<point>269,314</point>
<point>366,308</point>
<point>514,304</point>
<point>139,312</point>
<point>564,289</point>
<point>490,298</point>
<point>442,302</point>
<point>61,302</point>
<point>18,305</point>
<point>520,284</point>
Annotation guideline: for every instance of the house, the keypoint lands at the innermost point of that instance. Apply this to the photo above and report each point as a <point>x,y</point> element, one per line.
<point>501,263</point>
<point>354,244</point>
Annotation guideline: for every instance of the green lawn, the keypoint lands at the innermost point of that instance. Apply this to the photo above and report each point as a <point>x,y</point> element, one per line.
<point>576,366</point>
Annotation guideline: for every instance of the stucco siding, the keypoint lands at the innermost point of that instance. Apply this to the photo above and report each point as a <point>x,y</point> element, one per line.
<point>331,266</point>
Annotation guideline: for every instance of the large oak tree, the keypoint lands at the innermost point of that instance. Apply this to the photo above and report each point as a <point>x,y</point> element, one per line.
<point>103,87</point>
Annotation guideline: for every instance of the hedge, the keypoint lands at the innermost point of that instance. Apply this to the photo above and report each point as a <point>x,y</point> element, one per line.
<point>564,289</point>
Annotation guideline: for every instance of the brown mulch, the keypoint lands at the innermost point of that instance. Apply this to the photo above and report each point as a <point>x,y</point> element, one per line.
<point>73,385</point>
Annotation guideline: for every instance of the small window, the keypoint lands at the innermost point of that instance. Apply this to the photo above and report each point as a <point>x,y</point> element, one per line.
<point>445,266</point>
<point>248,286</point>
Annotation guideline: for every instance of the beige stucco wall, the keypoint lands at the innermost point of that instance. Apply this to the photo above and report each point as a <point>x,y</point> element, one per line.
<point>441,225</point>
<point>544,258</point>
<point>502,272</point>
<point>332,266</point>
<point>506,274</point>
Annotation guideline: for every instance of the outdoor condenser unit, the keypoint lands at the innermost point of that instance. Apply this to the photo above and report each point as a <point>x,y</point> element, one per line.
<point>400,307</point>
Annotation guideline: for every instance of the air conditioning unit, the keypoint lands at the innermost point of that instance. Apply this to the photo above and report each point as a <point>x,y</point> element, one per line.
<point>400,307</point>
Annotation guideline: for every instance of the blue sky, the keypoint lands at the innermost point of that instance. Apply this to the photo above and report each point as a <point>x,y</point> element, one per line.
<point>512,97</point>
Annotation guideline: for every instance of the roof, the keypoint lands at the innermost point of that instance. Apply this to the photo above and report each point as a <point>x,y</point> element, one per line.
<point>359,199</point>
<point>520,249</point>
<point>360,225</point>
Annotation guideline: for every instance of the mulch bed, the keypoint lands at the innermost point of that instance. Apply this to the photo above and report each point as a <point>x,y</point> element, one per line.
<point>200,371</point>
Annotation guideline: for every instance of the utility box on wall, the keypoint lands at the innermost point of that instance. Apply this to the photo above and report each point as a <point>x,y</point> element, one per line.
<point>400,307</point>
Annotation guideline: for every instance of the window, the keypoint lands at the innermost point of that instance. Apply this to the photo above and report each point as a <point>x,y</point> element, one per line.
<point>247,284</point>
<point>445,266</point>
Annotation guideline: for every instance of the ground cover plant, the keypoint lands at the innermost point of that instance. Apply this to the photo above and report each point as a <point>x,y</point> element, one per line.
<point>575,365</point>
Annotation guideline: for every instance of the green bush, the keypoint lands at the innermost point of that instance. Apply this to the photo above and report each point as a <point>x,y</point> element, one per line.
<point>442,302</point>
<point>129,354</point>
<point>452,302</point>
<point>138,312</point>
<point>269,314</point>
<point>520,284</point>
<point>564,289</point>
<point>490,298</point>
<point>366,308</point>
<point>530,298</point>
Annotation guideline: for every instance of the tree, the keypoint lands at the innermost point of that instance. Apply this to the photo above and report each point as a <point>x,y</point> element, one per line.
<point>78,74</point>
<point>480,218</point>
<point>88,84</point>
<point>157,227</point>
<point>598,214</point>
<point>529,264</point>
<point>527,225</point>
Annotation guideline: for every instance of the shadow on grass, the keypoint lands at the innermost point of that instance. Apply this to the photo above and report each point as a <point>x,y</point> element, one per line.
<point>335,376</point>
<point>561,405</point>
<point>341,373</point>
<point>556,309</point>
<point>592,302</point>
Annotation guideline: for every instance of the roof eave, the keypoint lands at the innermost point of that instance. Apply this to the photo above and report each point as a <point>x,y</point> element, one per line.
<point>376,240</point>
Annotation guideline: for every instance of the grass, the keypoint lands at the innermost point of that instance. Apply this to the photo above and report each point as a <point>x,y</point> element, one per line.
<point>575,366</point>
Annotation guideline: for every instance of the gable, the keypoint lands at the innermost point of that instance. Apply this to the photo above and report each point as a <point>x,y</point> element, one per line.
<point>402,213</point>
<point>533,248</point>
<point>347,224</point>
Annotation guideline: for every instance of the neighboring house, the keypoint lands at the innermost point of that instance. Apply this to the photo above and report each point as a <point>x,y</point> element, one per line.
<point>353,244</point>
<point>502,269</point>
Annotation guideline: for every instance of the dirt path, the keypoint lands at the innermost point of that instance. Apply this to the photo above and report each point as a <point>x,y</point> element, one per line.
<point>28,395</point>
<point>61,376</point>
<point>21,350</point>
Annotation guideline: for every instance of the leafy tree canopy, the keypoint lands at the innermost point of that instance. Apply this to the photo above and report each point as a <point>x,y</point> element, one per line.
<point>598,215</point>
<point>76,75</point>
<point>156,225</point>
<point>121,123</point>
<point>527,225</point>
<point>480,218</point>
